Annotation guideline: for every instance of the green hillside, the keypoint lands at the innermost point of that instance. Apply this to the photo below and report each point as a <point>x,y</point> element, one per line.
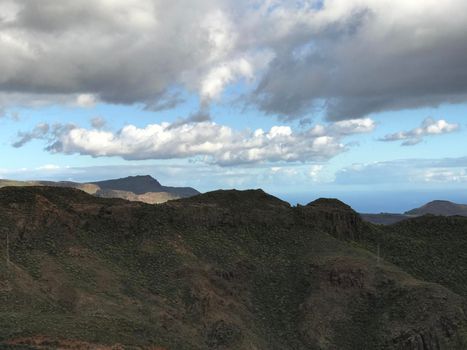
<point>223,270</point>
<point>433,248</point>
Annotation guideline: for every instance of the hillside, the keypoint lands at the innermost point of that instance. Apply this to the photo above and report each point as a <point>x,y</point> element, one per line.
<point>133,188</point>
<point>384,218</point>
<point>223,270</point>
<point>433,248</point>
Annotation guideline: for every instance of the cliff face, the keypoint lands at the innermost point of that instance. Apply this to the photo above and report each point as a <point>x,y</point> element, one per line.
<point>224,270</point>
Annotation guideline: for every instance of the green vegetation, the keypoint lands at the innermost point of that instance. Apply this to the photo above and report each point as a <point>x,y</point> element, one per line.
<point>225,270</point>
<point>432,248</point>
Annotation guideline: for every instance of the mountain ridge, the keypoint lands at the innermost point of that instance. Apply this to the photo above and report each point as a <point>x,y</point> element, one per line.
<point>141,184</point>
<point>142,188</point>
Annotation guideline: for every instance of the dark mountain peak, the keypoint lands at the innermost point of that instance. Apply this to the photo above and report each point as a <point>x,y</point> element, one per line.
<point>336,217</point>
<point>329,203</point>
<point>439,201</point>
<point>440,207</point>
<point>256,198</point>
<point>139,184</point>
<point>147,178</point>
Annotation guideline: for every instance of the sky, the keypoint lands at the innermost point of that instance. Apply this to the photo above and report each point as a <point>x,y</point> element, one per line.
<point>364,100</point>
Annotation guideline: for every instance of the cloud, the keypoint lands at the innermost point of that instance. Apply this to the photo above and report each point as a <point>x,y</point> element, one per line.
<point>198,117</point>
<point>40,131</point>
<point>222,75</point>
<point>405,172</point>
<point>354,58</point>
<point>98,122</point>
<point>118,51</point>
<point>315,172</point>
<point>429,127</point>
<point>446,176</point>
<point>353,126</point>
<point>349,58</point>
<point>86,100</point>
<point>203,139</point>
<point>164,101</point>
<point>48,167</point>
<point>13,115</point>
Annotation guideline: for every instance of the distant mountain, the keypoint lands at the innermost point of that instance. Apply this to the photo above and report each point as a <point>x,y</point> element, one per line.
<point>444,208</point>
<point>133,188</point>
<point>136,184</point>
<point>144,184</point>
<point>437,207</point>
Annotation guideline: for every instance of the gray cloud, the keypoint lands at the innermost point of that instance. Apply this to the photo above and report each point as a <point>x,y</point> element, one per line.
<point>198,117</point>
<point>359,57</point>
<point>13,115</point>
<point>429,127</point>
<point>40,131</point>
<point>98,122</point>
<point>165,102</point>
<point>121,51</point>
<point>349,58</point>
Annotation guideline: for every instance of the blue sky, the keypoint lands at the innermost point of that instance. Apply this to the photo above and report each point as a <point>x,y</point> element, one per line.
<point>325,102</point>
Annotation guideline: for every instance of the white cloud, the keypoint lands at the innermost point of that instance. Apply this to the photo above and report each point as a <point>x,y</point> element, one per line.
<point>48,167</point>
<point>429,127</point>
<point>86,100</point>
<point>315,172</point>
<point>445,175</point>
<point>218,77</point>
<point>435,127</point>
<point>211,142</point>
<point>352,126</point>
<point>405,172</point>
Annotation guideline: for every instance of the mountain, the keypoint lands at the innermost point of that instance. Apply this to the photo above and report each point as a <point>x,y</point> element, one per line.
<point>223,270</point>
<point>133,188</point>
<point>144,184</point>
<point>135,184</point>
<point>439,207</point>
